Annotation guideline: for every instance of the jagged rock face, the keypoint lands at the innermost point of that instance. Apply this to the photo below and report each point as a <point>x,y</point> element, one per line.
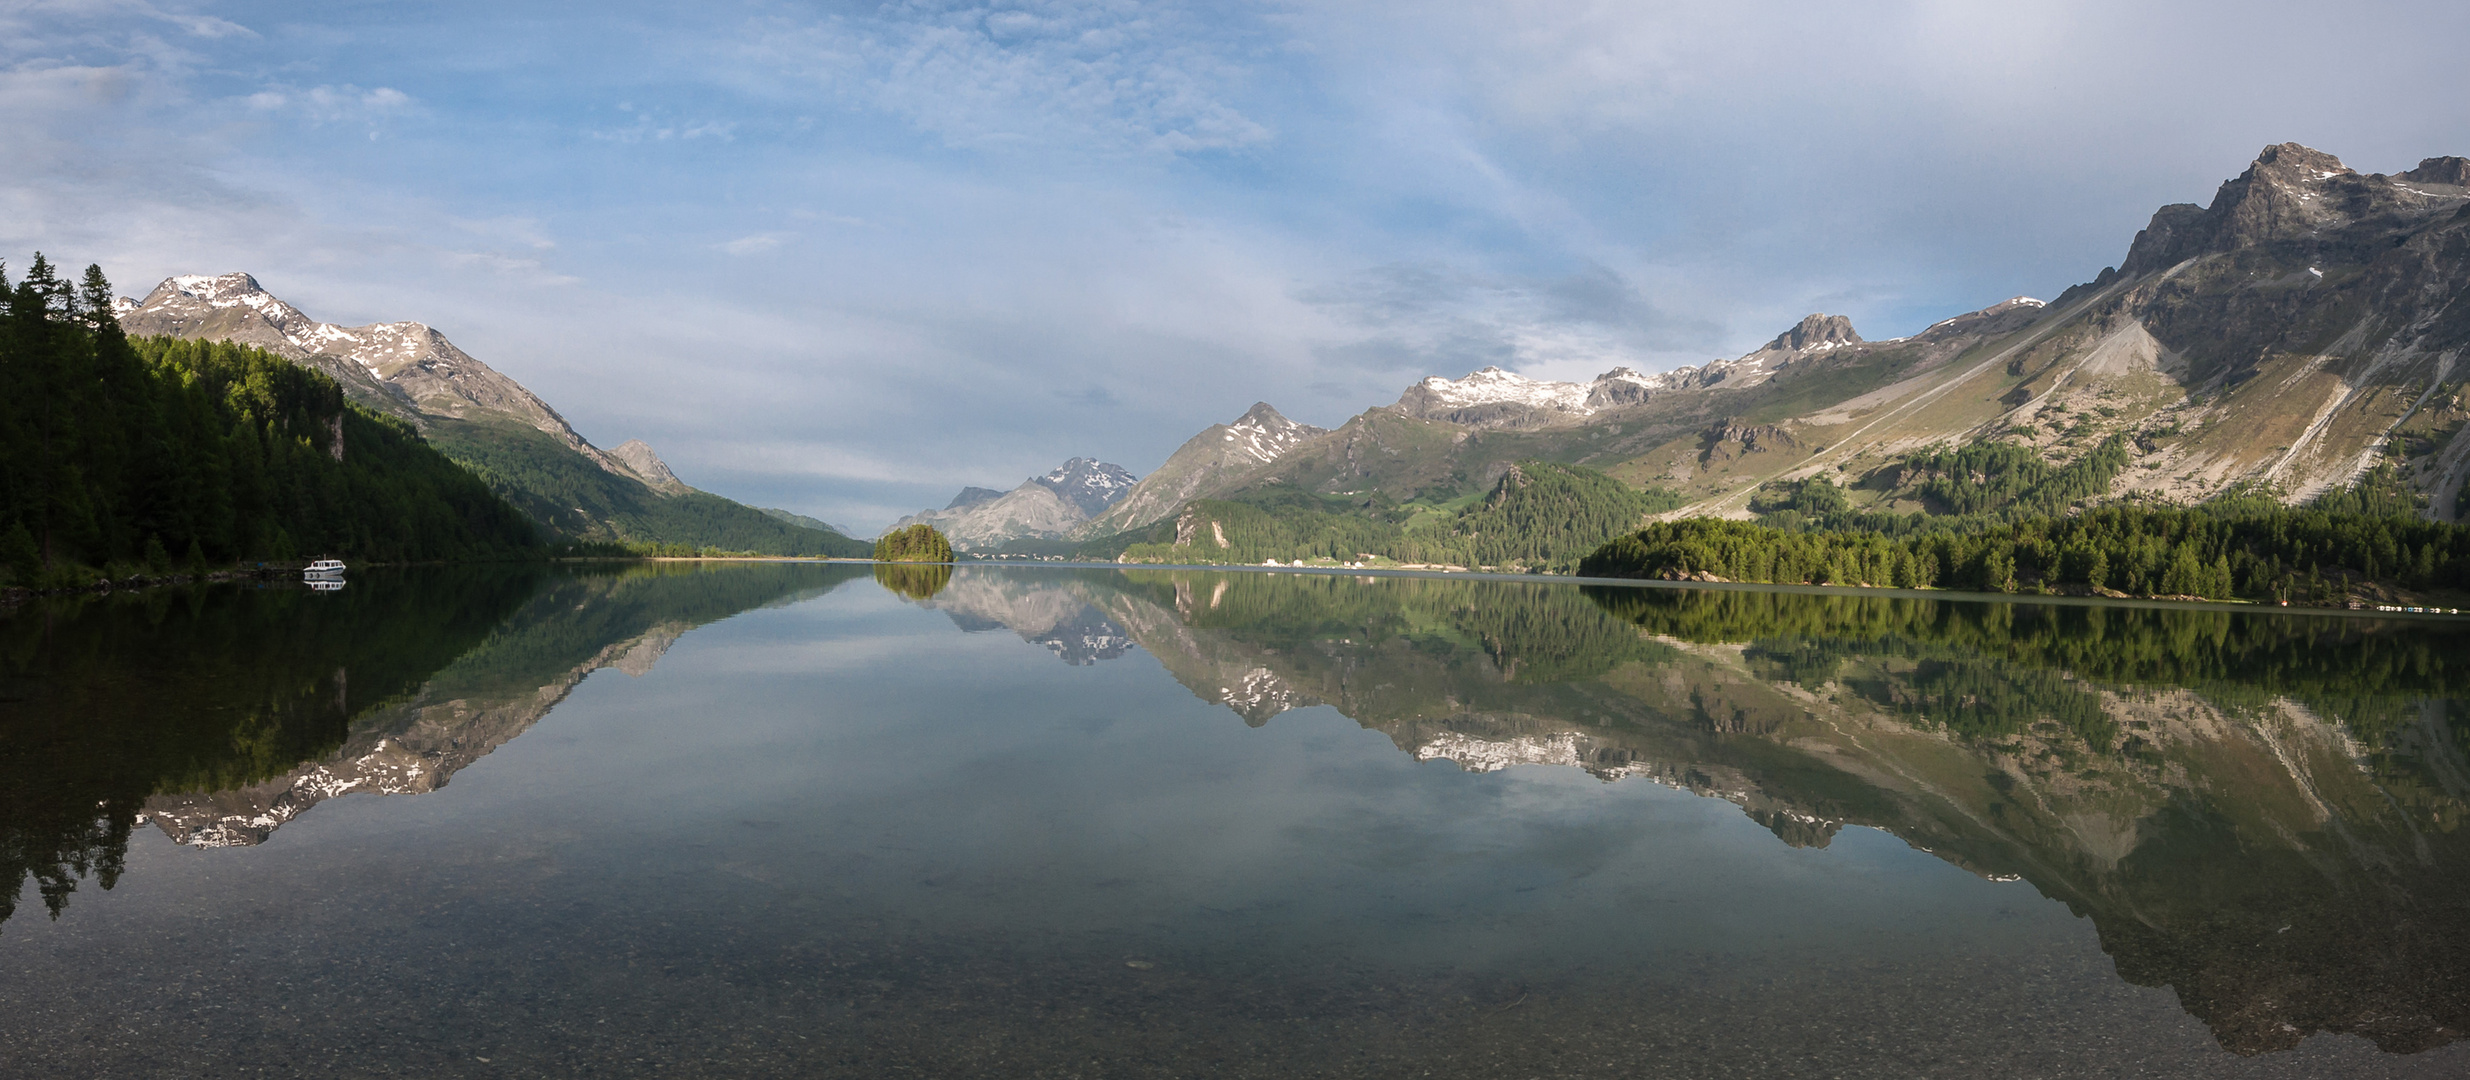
<point>2306,315</point>
<point>2305,203</point>
<point>1215,461</point>
<point>1816,332</point>
<point>648,467</point>
<point>1090,484</point>
<point>405,368</point>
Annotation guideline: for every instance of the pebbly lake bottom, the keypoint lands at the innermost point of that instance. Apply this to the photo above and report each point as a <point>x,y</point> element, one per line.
<point>826,828</point>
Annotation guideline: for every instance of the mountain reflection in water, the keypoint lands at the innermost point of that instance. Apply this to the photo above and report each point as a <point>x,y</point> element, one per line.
<point>219,713</point>
<point>2259,811</point>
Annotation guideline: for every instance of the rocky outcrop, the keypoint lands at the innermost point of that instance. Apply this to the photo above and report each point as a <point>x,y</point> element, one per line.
<point>648,467</point>
<point>1815,333</point>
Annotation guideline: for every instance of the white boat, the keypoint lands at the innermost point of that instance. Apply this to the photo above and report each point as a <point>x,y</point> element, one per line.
<point>323,570</point>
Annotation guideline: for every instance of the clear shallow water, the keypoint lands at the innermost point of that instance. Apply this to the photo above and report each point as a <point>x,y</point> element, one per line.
<point>793,820</point>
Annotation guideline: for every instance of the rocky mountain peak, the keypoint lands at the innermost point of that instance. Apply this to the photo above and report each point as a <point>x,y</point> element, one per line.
<point>2450,171</point>
<point>233,302</point>
<point>648,466</point>
<point>1088,483</point>
<point>1263,416</point>
<point>2294,201</point>
<point>972,496</point>
<point>1816,332</point>
<point>1262,433</point>
<point>404,368</point>
<point>2295,163</point>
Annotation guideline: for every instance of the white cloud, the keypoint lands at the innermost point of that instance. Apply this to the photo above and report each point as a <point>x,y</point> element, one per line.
<point>1040,74</point>
<point>754,244</point>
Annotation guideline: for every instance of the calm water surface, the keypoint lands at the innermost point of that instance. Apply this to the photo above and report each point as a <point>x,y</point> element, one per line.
<point>808,820</point>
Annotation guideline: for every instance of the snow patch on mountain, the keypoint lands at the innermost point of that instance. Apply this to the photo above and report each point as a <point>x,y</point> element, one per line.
<point>1263,434</point>
<point>405,368</point>
<point>1088,483</point>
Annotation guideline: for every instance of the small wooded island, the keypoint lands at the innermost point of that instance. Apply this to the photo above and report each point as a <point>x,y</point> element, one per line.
<point>916,543</point>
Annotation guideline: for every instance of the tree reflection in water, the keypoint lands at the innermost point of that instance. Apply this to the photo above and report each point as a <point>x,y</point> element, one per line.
<point>2260,811</point>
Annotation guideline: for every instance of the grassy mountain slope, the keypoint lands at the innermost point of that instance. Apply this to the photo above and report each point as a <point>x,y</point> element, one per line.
<point>574,497</point>
<point>2285,341</point>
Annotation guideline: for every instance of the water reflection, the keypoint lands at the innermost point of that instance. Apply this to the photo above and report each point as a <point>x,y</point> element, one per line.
<point>219,713</point>
<point>2259,811</point>
<point>1031,606</point>
<point>917,581</point>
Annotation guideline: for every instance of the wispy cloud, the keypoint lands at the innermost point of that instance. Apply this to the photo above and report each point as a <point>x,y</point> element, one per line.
<point>754,243</point>
<point>850,256</point>
<point>1426,318</point>
<point>333,104</point>
<point>651,126</point>
<point>1084,75</point>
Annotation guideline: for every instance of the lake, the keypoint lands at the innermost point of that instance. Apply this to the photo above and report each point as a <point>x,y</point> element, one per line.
<point>795,819</point>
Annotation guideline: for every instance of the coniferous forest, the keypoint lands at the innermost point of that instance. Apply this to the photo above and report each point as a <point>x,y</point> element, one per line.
<point>121,455</point>
<point>2219,552</point>
<point>917,543</point>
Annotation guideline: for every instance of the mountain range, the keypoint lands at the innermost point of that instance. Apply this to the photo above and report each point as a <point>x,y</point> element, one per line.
<point>1057,504</point>
<point>482,419</point>
<point>2303,328</point>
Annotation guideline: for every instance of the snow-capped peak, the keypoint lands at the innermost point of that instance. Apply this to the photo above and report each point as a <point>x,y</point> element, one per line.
<point>1091,484</point>
<point>1492,386</point>
<point>1263,433</point>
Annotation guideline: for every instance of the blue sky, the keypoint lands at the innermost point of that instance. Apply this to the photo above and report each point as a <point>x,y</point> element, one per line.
<point>846,258</point>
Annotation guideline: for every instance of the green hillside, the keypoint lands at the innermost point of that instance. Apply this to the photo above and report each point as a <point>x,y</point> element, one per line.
<point>573,497</point>
<point>120,455</point>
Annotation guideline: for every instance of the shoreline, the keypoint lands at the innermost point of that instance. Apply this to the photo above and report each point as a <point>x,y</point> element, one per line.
<point>14,596</point>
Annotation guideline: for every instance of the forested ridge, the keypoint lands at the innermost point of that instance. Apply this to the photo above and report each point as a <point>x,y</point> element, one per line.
<point>1959,490</point>
<point>118,455</point>
<point>2239,550</point>
<point>574,497</point>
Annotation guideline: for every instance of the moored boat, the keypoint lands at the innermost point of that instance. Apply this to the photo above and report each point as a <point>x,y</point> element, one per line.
<point>323,570</point>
